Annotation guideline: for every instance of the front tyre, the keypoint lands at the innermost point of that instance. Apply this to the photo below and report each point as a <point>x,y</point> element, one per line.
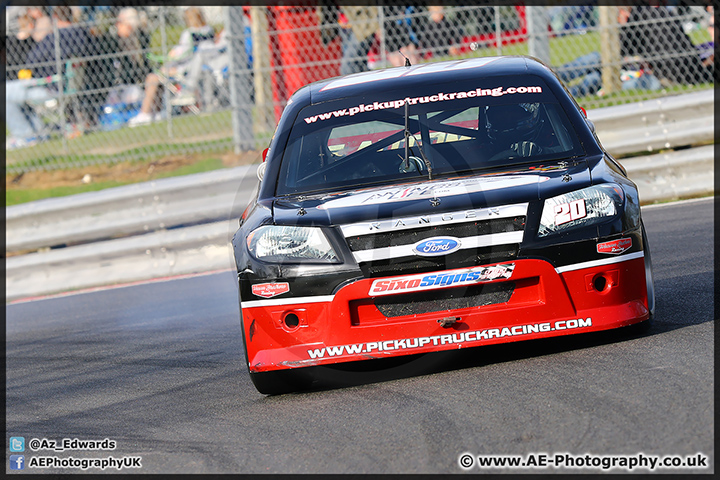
<point>648,276</point>
<point>644,326</point>
<point>279,381</point>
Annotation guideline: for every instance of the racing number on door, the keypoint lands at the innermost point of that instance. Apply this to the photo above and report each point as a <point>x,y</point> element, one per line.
<point>567,212</point>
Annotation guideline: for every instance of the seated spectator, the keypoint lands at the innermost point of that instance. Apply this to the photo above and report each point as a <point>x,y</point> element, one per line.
<point>43,26</point>
<point>41,18</point>
<point>635,72</point>
<point>209,67</point>
<point>73,42</point>
<point>18,47</point>
<point>211,56</point>
<point>707,49</point>
<point>198,32</point>
<point>119,60</point>
<point>658,36</point>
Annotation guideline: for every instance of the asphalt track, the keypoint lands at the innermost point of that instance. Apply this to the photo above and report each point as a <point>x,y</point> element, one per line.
<point>158,368</point>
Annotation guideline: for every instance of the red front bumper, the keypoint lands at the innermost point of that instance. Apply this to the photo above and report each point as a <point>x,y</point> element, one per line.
<point>348,327</point>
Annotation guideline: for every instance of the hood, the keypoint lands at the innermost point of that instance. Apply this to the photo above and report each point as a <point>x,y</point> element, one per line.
<point>519,185</point>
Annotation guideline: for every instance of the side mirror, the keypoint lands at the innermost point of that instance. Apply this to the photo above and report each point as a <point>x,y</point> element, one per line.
<point>591,125</point>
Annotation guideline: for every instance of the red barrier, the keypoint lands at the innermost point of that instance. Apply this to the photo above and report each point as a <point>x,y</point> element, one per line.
<point>297,54</point>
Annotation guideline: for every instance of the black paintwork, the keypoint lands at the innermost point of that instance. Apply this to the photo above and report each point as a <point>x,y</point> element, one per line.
<point>573,246</point>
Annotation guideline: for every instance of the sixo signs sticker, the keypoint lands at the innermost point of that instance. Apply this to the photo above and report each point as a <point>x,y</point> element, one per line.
<point>448,278</point>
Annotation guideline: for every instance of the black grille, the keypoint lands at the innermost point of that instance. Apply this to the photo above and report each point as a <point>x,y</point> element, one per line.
<point>441,300</point>
<point>409,237</point>
<point>460,259</point>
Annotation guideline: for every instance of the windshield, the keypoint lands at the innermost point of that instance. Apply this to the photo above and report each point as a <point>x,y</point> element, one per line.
<point>362,143</point>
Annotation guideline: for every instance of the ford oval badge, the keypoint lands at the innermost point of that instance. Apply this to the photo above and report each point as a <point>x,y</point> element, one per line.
<point>437,246</point>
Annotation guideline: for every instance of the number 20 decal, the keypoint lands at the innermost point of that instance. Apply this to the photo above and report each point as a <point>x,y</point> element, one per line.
<point>567,212</point>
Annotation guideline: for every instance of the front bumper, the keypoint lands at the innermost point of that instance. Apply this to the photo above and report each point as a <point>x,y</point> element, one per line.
<point>541,301</point>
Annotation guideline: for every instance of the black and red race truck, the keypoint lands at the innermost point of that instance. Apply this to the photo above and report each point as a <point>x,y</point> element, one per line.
<point>434,207</point>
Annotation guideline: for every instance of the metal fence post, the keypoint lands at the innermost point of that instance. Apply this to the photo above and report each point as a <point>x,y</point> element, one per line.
<point>537,31</point>
<point>262,77</point>
<point>61,83</point>
<point>240,82</point>
<point>610,48</point>
<point>383,35</point>
<point>498,30</point>
<point>166,92</point>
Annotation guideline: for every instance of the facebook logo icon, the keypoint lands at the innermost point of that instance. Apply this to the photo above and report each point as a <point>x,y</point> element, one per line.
<point>17,462</point>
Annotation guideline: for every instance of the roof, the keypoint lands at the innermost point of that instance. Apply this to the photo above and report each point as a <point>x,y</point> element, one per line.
<point>426,73</point>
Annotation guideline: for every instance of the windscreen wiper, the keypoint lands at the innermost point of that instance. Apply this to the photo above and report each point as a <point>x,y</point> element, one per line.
<point>406,166</point>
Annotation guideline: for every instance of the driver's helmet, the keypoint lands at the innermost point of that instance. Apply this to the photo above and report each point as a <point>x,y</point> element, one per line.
<point>510,124</point>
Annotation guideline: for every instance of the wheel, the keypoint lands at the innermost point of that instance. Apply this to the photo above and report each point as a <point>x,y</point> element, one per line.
<point>648,275</point>
<point>276,382</point>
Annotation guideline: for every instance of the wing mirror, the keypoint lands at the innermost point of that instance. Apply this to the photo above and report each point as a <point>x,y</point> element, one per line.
<point>261,168</point>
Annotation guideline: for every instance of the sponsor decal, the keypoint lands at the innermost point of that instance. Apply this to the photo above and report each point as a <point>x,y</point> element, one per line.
<point>423,191</point>
<point>450,338</point>
<point>448,278</point>
<point>269,290</point>
<point>437,97</point>
<point>616,246</point>
<point>437,246</point>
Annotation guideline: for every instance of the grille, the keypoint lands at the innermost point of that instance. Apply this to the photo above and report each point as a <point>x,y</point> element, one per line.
<point>460,259</point>
<point>409,237</point>
<point>441,300</point>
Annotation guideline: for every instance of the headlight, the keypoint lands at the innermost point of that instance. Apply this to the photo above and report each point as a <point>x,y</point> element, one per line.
<point>288,244</point>
<point>580,208</point>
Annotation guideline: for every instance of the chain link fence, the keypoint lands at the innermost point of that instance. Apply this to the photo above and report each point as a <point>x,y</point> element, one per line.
<point>103,84</point>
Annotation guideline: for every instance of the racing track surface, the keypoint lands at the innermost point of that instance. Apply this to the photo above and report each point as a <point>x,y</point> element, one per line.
<point>159,369</point>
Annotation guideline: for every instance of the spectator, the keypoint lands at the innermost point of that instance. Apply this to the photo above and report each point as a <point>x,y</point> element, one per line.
<point>43,26</point>
<point>635,74</point>
<point>119,60</point>
<point>213,58</point>
<point>208,69</point>
<point>197,34</point>
<point>401,39</point>
<point>659,38</point>
<point>18,47</point>
<point>38,13</point>
<point>707,49</point>
<point>359,28</point>
<point>437,35</point>
<point>73,41</point>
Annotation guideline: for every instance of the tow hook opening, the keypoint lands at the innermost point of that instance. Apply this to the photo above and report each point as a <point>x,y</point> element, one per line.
<point>291,320</point>
<point>600,282</point>
<point>448,321</point>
